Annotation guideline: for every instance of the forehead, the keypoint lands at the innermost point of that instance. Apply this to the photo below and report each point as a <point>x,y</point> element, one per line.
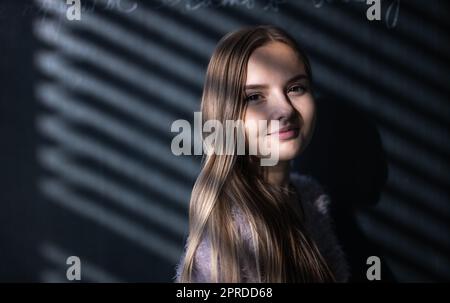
<point>273,62</point>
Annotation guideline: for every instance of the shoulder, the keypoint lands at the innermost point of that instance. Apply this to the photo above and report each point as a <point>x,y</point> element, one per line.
<point>202,262</point>
<point>311,192</point>
<point>320,224</point>
<point>203,253</point>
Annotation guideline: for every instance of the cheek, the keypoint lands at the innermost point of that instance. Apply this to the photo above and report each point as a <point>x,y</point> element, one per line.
<point>252,116</point>
<point>255,113</point>
<point>307,110</point>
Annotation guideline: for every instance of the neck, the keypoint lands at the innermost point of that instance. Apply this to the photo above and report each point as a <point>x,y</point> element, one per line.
<point>278,175</point>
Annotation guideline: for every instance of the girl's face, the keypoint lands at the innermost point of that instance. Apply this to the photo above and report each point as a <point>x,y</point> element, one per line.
<point>277,88</point>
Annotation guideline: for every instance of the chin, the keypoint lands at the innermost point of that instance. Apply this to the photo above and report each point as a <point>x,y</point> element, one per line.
<point>289,150</point>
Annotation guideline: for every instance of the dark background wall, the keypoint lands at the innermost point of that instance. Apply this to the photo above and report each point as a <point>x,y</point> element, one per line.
<point>86,108</point>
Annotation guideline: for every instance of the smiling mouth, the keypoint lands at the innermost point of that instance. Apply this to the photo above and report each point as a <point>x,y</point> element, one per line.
<point>287,133</point>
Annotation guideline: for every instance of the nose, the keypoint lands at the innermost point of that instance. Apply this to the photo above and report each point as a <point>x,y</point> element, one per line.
<point>283,109</point>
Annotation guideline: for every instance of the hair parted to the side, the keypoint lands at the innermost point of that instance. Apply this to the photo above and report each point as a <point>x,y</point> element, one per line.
<point>283,252</point>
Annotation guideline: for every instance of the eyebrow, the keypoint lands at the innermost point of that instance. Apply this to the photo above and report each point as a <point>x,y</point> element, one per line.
<point>295,78</point>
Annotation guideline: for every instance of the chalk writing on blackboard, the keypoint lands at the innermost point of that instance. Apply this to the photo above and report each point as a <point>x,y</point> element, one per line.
<point>120,6</point>
<point>190,5</point>
<point>392,14</point>
<point>42,7</point>
<point>391,8</point>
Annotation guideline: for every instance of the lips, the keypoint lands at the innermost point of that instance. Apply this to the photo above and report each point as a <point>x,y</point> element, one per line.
<point>287,132</point>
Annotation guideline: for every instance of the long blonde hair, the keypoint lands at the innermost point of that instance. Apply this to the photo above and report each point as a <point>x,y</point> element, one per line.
<point>282,250</point>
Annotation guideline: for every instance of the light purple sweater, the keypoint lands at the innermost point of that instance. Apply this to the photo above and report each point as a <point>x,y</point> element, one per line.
<point>318,224</point>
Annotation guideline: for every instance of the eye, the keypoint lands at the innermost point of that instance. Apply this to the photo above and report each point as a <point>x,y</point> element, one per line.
<point>253,98</point>
<point>300,89</point>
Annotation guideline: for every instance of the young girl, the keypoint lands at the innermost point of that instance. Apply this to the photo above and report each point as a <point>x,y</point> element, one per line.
<point>254,223</point>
